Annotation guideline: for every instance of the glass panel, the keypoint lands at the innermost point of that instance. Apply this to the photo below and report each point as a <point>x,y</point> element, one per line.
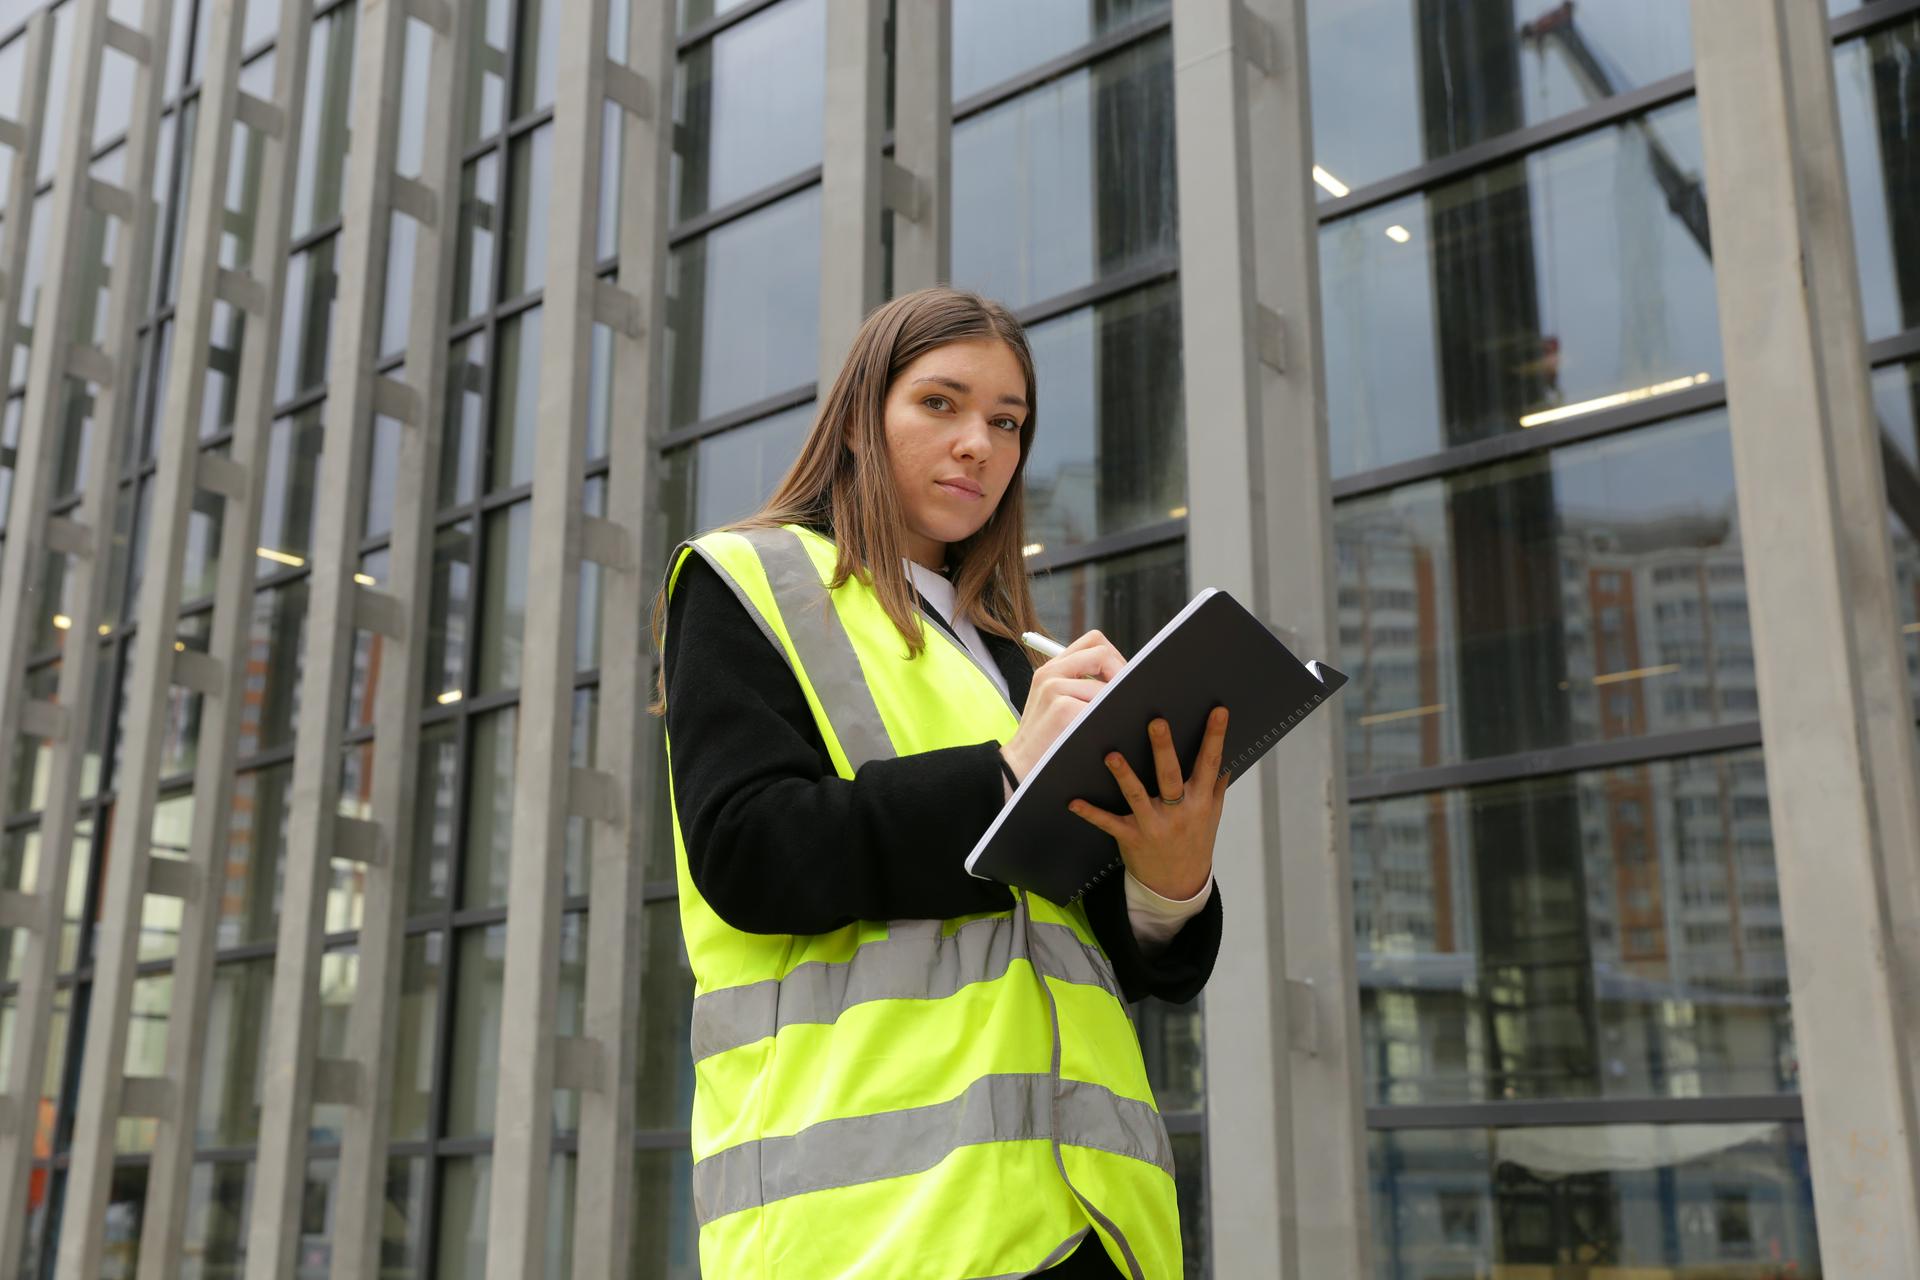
<point>1398,83</point>
<point>727,476</point>
<point>1128,597</point>
<point>383,471</point>
<point>474,1071</point>
<point>436,801</point>
<point>1170,1039</point>
<point>743,308</point>
<point>274,658</point>
<point>1190,1186</point>
<point>1611,932</point>
<point>534,56</point>
<point>479,218</point>
<point>160,916</point>
<point>422,971</point>
<point>146,1054</point>
<point>236,1045</point>
<point>1896,400</point>
<point>1534,292</point>
<point>293,476</point>
<point>339,978</point>
<point>126,1203</point>
<point>256,848</point>
<point>516,402</point>
<point>466,401</point>
<point>307,320</point>
<point>748,107</point>
<point>503,600</point>
<point>663,1096</point>
<point>1879,103</point>
<point>403,1221</point>
<point>489,811</point>
<point>462,1233</point>
<point>487,86</point>
<point>323,138</point>
<point>996,40</point>
<point>1588,594</point>
<point>447,610</point>
<point>1689,1202</point>
<point>664,1244</point>
<point>1069,184</point>
<point>396,312</point>
<point>1109,451</point>
<point>410,131</point>
<point>530,170</point>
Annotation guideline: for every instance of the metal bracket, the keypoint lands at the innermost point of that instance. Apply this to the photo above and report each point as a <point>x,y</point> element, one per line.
<point>1303,1026</point>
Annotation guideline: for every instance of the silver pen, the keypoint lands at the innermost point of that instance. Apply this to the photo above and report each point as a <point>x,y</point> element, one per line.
<point>1041,645</point>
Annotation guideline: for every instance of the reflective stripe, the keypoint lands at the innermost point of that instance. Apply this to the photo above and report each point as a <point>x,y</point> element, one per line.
<point>895,1144</point>
<point>915,961</point>
<point>824,648</point>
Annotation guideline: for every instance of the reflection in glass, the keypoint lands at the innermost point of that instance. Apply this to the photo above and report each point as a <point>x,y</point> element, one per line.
<point>663,1097</point>
<point>396,311</point>
<point>383,473</point>
<point>516,402</point>
<point>466,395</point>
<point>256,846</point>
<point>1128,597</point>
<point>1896,401</point>
<point>1879,97</point>
<point>1571,281</point>
<point>996,40</point>
<point>307,320</point>
<point>487,85</point>
<point>503,599</point>
<point>1171,1040</point>
<point>664,1244</point>
<point>1069,184</point>
<point>724,477</point>
<point>489,810</point>
<point>1606,933</point>
<point>288,502</point>
<point>273,657</point>
<point>146,1054</point>
<point>474,1073</point>
<point>1593,593</point>
<point>422,971</point>
<point>1689,1202</point>
<point>1190,1186</point>
<point>436,800</point>
<point>530,190</point>
<point>1109,453</point>
<point>235,1040</point>
<point>447,606</point>
<point>748,107</point>
<point>533,52</point>
<point>462,1229</point>
<point>1389,91</point>
<point>479,218</point>
<point>744,310</point>
<point>323,137</point>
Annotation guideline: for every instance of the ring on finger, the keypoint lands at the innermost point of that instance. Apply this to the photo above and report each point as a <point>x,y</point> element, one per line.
<point>1176,800</point>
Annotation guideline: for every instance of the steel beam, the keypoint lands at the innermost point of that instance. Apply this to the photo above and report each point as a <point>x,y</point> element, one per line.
<point>852,177</point>
<point>396,613</point>
<point>1833,697</point>
<point>1287,1184</point>
<point>602,1061</point>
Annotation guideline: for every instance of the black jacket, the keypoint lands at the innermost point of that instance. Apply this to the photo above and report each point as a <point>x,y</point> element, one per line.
<point>777,842</point>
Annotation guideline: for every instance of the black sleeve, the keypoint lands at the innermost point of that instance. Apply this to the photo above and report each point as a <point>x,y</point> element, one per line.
<point>776,841</point>
<point>1180,969</point>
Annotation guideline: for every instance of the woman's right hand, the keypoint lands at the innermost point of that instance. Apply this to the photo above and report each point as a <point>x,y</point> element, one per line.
<point>1062,688</point>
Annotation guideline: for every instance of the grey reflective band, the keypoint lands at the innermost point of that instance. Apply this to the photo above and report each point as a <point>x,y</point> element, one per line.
<point>823,645</point>
<point>746,601</point>
<point>915,961</point>
<point>896,1144</point>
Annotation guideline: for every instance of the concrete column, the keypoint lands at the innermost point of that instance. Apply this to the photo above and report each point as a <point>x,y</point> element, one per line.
<point>922,172</point>
<point>1286,1155</point>
<point>1839,723</point>
<point>548,788</point>
<point>851,176</point>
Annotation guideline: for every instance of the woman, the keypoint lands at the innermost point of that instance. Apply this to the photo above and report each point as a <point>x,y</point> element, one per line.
<point>902,1070</point>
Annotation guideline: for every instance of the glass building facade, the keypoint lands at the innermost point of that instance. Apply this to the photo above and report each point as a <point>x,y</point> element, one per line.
<point>1579,1047</point>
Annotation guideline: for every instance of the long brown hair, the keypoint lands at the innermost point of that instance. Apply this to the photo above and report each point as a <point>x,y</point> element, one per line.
<point>849,490</point>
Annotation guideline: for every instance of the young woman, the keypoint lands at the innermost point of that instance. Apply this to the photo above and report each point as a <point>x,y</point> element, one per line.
<point>902,1071</point>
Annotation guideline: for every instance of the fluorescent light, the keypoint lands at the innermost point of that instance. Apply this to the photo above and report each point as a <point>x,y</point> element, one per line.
<point>106,629</point>
<point>1334,187</point>
<point>1638,673</point>
<point>1399,234</point>
<point>1613,401</point>
<point>179,646</point>
<point>62,621</point>
<point>450,697</point>
<point>366,579</point>
<point>279,557</point>
<point>1385,717</point>
<point>1033,548</point>
<point>1910,628</point>
<point>1178,513</point>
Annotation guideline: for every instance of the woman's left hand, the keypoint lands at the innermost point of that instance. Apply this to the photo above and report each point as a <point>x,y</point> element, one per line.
<point>1168,846</point>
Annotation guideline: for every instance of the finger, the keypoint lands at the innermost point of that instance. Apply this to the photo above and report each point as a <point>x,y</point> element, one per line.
<point>1094,662</point>
<point>1111,823</point>
<point>1206,770</point>
<point>1166,763</point>
<point>1062,686</point>
<point>1137,797</point>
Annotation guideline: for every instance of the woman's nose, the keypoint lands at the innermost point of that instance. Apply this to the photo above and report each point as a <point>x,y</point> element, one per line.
<point>976,441</point>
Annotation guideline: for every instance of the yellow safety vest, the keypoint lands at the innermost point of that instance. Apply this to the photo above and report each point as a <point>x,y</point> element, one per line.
<point>909,1098</point>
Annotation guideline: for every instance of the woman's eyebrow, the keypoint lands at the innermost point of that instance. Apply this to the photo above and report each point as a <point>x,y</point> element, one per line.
<point>966,390</point>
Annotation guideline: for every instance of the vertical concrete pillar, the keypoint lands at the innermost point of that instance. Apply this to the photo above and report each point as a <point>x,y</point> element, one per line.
<point>852,176</point>
<point>918,182</point>
<point>1837,715</point>
<point>1286,1156</point>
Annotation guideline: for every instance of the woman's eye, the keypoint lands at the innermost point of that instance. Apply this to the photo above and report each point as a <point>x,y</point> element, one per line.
<point>929,402</point>
<point>1008,424</point>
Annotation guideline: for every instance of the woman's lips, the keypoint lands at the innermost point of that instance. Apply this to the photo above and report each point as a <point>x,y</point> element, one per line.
<point>960,490</point>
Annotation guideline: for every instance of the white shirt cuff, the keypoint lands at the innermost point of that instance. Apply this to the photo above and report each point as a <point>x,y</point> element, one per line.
<point>1156,919</point>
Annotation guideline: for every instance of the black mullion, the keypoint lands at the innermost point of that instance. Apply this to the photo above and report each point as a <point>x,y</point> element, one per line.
<point>1096,50</point>
<point>1725,1109</point>
<point>1610,753</point>
<point>1123,542</point>
<point>686,41</point>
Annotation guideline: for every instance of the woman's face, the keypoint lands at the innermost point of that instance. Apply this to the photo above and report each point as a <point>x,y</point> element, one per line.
<point>953,420</point>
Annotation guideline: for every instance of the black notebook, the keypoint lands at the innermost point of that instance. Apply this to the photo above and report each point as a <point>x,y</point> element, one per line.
<point>1213,653</point>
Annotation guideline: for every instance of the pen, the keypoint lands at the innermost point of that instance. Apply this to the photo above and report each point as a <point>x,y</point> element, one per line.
<point>1041,645</point>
